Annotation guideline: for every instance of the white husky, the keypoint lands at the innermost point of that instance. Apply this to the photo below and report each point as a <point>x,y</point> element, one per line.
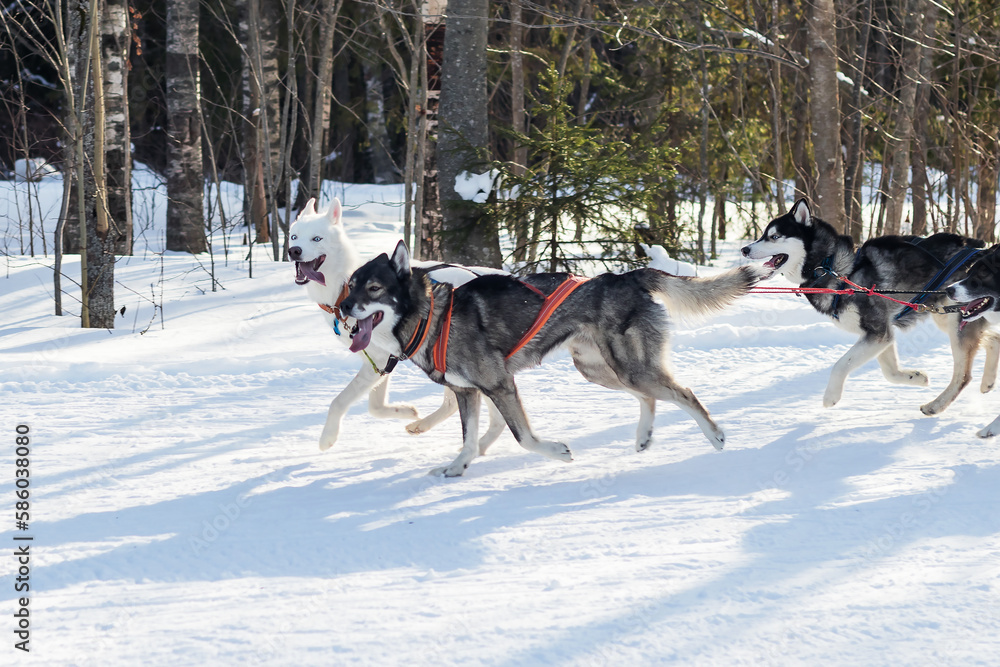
<point>324,260</point>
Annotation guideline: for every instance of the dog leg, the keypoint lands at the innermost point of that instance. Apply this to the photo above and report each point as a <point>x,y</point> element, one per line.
<point>964,343</point>
<point>860,353</point>
<point>468,408</point>
<point>363,382</point>
<point>377,406</point>
<point>644,433</point>
<point>495,428</point>
<point>992,343</point>
<point>684,398</point>
<point>507,401</point>
<point>449,406</point>
<point>888,361</point>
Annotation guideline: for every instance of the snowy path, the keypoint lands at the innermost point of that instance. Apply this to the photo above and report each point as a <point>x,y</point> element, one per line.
<point>184,515</point>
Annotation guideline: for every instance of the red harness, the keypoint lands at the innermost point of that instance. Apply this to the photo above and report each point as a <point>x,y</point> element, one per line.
<point>552,301</point>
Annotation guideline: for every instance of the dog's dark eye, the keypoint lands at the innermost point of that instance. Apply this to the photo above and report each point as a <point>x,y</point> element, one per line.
<point>374,289</point>
<point>316,239</point>
<point>350,285</point>
<point>294,236</point>
<point>774,237</point>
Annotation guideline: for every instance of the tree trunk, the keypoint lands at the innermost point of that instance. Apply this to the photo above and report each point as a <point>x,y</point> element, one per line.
<point>344,132</point>
<point>185,171</point>
<point>115,46</point>
<point>464,130</point>
<point>321,108</point>
<point>921,136</point>
<point>383,168</point>
<point>801,161</point>
<point>899,147</point>
<point>431,223</point>
<point>852,177</point>
<point>517,116</point>
<point>99,306</point>
<point>824,109</point>
<point>986,208</point>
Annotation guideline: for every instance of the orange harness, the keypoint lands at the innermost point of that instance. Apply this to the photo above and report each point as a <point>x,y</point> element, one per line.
<point>552,301</point>
<point>549,306</point>
<point>335,309</point>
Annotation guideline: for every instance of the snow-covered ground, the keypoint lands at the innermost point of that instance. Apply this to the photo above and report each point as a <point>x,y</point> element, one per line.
<point>183,515</point>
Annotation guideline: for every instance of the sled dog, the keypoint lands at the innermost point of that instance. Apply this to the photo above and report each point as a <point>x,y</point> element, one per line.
<point>980,292</point>
<point>472,339</point>
<point>324,259</point>
<point>810,253</point>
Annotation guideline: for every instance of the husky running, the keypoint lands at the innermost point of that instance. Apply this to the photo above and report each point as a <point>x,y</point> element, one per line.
<point>473,339</point>
<point>810,253</point>
<point>324,259</point>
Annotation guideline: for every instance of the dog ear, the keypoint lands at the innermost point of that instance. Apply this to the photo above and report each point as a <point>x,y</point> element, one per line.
<point>401,260</point>
<point>310,207</point>
<point>335,212</point>
<point>800,211</point>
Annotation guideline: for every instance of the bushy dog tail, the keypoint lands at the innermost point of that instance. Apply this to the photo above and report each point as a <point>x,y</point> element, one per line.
<point>695,297</point>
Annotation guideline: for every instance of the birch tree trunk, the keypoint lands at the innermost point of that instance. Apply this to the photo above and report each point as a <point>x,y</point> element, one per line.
<point>117,150</point>
<point>899,146</point>
<point>824,99</point>
<point>185,171</point>
<point>464,128</point>
<point>98,260</point>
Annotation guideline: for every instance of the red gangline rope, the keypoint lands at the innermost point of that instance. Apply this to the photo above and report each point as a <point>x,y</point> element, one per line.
<point>854,289</point>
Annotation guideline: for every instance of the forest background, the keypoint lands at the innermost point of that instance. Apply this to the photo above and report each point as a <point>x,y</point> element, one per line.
<point>611,122</point>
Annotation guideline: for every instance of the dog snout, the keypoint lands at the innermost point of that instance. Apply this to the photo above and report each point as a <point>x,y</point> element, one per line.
<point>347,306</point>
<point>950,291</point>
<point>295,253</point>
<point>746,251</point>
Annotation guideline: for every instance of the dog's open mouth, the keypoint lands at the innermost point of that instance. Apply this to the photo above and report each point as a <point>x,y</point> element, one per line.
<point>776,261</point>
<point>306,271</point>
<point>974,309</point>
<point>363,333</point>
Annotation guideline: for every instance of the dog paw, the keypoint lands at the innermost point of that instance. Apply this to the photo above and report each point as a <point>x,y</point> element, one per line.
<point>416,428</point>
<point>331,431</point>
<point>829,400</point>
<point>986,387</point>
<point>986,432</point>
<point>554,450</point>
<point>718,440</point>
<point>453,470</point>
<point>916,378</point>
<point>931,409</point>
<point>643,443</point>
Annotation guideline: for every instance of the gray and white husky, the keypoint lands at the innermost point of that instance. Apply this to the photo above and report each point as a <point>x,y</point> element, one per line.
<point>615,327</point>
<point>810,253</point>
<point>980,291</point>
<point>324,259</point>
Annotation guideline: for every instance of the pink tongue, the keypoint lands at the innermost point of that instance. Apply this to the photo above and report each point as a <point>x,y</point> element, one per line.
<point>307,271</point>
<point>363,335</point>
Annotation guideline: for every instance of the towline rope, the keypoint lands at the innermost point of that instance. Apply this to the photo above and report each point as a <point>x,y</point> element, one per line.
<point>858,289</point>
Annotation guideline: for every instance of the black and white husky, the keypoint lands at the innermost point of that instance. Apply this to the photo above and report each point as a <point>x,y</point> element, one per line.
<point>324,259</point>
<point>810,253</point>
<point>980,291</point>
<point>469,339</point>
